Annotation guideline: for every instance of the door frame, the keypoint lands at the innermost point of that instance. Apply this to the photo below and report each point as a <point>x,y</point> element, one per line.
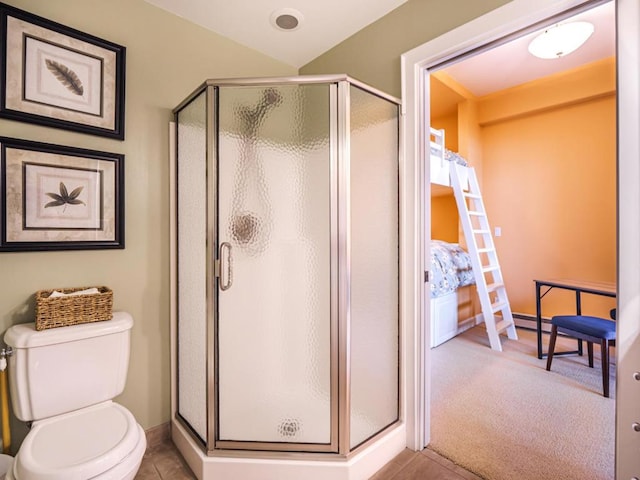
<point>502,22</point>
<point>628,234</point>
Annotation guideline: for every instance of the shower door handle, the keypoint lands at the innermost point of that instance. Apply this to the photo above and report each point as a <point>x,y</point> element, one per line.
<point>226,266</point>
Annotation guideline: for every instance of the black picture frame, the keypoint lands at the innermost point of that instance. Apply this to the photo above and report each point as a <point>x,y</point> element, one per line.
<point>59,77</point>
<point>56,197</point>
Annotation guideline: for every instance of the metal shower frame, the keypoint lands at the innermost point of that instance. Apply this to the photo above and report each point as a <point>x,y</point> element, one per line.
<point>339,95</point>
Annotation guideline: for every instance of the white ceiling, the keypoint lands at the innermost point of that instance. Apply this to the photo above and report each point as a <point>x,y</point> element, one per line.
<point>323,25</point>
<point>511,64</point>
<point>326,23</point>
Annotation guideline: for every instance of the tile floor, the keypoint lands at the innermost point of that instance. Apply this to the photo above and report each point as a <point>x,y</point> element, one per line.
<point>425,465</point>
<point>163,462</point>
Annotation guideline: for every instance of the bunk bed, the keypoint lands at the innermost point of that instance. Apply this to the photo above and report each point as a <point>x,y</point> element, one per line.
<point>451,283</point>
<point>441,158</point>
<point>448,319</point>
<point>452,277</point>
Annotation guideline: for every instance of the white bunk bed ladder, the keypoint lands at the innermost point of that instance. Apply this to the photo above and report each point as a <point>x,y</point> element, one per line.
<point>484,259</point>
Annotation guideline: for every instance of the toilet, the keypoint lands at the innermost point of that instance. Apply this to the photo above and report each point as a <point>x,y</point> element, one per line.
<point>63,380</point>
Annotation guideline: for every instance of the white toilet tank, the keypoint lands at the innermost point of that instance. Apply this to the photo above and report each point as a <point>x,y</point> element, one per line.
<point>62,369</point>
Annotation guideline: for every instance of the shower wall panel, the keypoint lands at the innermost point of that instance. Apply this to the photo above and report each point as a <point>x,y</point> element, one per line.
<point>192,262</point>
<point>373,184</point>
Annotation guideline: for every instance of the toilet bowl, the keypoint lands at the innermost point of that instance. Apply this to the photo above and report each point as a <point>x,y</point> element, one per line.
<point>64,380</point>
<point>99,442</point>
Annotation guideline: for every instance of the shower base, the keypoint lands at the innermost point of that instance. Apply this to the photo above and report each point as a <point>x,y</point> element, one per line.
<point>250,466</point>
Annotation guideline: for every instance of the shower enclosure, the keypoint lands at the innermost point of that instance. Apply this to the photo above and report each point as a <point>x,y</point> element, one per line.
<point>286,267</point>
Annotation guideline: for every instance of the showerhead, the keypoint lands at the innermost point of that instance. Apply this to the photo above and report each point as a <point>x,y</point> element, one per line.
<point>270,98</point>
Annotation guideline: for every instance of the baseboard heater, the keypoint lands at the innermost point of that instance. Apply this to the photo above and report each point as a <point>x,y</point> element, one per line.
<point>528,322</point>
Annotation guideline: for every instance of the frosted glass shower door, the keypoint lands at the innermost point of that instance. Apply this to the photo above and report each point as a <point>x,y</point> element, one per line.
<point>274,297</point>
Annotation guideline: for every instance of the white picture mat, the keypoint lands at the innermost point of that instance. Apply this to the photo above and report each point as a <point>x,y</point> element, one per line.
<point>15,160</point>
<point>39,180</point>
<point>41,85</point>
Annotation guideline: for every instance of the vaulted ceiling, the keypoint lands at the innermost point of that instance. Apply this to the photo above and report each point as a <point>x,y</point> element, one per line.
<point>322,25</point>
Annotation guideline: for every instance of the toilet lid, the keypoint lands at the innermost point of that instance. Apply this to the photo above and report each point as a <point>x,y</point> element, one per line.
<point>78,445</point>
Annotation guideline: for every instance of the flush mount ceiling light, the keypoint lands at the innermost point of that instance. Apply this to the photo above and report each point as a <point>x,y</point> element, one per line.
<point>286,19</point>
<point>560,40</point>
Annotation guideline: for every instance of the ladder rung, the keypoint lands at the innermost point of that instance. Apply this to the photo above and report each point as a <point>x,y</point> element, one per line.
<point>496,307</point>
<point>472,195</point>
<point>502,325</point>
<point>492,287</point>
<point>490,268</point>
<point>481,232</point>
<point>477,214</point>
<point>486,250</point>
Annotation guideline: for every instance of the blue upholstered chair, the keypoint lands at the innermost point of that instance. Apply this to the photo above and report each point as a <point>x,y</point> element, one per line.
<point>591,330</point>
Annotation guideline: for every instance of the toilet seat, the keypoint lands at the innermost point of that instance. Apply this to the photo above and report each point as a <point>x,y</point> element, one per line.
<point>81,445</point>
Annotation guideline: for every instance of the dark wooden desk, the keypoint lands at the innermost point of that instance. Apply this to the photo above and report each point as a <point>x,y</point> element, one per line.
<point>606,289</point>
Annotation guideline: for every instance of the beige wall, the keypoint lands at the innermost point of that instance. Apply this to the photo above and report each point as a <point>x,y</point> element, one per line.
<point>166,59</point>
<point>373,54</point>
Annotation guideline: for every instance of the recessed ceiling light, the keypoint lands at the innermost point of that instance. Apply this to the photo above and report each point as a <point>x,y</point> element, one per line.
<point>286,19</point>
<point>560,40</point>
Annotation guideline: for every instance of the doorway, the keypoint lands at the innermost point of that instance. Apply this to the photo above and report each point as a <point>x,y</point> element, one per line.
<point>490,28</point>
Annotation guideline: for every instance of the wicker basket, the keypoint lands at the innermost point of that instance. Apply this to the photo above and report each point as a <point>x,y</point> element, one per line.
<point>72,310</point>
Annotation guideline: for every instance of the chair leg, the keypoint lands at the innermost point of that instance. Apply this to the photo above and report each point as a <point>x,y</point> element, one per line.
<point>552,345</point>
<point>604,347</point>
<point>590,353</point>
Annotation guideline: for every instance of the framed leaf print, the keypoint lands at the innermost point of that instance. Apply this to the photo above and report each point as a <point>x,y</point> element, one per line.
<point>59,77</point>
<point>54,197</point>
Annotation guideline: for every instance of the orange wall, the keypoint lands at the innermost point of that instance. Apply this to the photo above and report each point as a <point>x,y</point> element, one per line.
<point>450,125</point>
<point>470,134</point>
<point>549,181</point>
<point>444,218</point>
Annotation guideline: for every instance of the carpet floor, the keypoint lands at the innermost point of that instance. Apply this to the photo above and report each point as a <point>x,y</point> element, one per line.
<point>502,416</point>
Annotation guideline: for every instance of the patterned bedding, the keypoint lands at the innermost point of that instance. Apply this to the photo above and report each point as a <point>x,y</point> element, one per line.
<point>449,156</point>
<point>450,268</point>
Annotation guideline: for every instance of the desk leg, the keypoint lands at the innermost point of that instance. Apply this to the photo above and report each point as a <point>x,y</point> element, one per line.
<point>579,312</point>
<point>539,320</point>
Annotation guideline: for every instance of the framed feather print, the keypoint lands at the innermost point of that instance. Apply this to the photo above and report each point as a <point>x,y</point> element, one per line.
<point>59,77</point>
